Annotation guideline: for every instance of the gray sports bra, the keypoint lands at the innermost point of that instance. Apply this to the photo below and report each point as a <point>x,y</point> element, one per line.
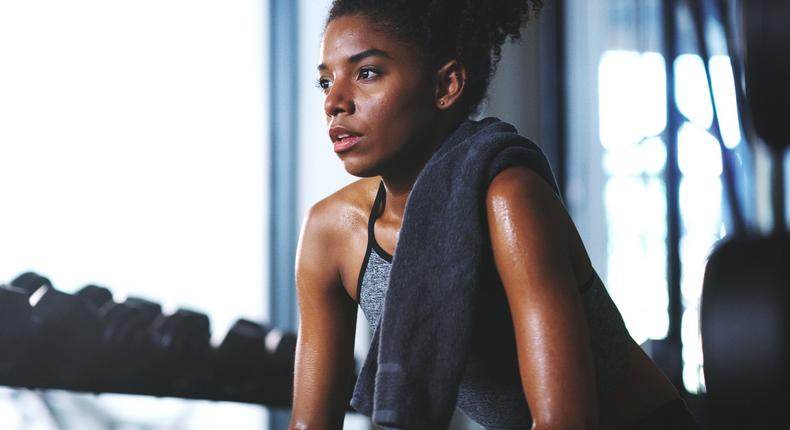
<point>491,392</point>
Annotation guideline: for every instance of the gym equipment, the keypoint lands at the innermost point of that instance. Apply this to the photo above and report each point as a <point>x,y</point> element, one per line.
<point>89,342</point>
<point>61,332</point>
<point>129,323</point>
<point>254,360</point>
<point>65,339</point>
<point>745,322</point>
<point>767,67</point>
<point>184,332</point>
<point>95,295</point>
<point>767,62</point>
<point>181,350</point>
<point>126,345</point>
<point>15,333</point>
<point>281,350</point>
<point>31,282</point>
<point>745,299</point>
<point>241,359</point>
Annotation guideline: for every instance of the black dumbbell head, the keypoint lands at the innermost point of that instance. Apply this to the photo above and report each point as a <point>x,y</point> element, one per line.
<point>128,324</point>
<point>30,282</point>
<point>15,333</point>
<point>95,295</point>
<point>66,333</point>
<point>244,338</point>
<point>182,332</point>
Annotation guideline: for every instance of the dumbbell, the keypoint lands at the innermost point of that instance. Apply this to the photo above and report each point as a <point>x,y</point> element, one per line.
<point>125,331</point>
<point>281,351</point>
<point>65,334</point>
<point>143,350</point>
<point>17,325</point>
<point>241,362</point>
<point>182,353</point>
<point>15,334</point>
<point>256,363</point>
<point>95,295</point>
<point>129,323</point>
<point>126,348</point>
<point>31,282</point>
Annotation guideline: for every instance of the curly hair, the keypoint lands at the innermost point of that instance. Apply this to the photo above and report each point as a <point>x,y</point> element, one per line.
<point>471,32</point>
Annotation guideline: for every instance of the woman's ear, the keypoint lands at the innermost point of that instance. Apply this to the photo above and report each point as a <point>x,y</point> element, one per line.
<point>450,80</point>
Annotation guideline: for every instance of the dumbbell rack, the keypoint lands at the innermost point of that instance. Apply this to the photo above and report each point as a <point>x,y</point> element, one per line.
<point>87,342</point>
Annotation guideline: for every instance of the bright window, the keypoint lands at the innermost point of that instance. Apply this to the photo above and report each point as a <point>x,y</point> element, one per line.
<point>632,117</point>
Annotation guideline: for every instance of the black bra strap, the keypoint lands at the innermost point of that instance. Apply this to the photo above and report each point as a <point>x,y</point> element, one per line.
<point>375,211</point>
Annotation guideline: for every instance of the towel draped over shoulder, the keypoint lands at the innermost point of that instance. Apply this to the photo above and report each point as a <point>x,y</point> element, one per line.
<point>411,375</point>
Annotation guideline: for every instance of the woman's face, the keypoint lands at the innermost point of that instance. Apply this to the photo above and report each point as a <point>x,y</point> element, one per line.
<point>379,104</point>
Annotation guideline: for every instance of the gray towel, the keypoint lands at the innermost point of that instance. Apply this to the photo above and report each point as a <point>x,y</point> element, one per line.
<point>418,354</point>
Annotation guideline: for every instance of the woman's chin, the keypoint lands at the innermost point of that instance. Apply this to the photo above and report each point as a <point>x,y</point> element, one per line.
<point>358,169</point>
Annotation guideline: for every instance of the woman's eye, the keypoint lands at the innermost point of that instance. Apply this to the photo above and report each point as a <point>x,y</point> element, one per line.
<point>368,73</point>
<point>323,83</point>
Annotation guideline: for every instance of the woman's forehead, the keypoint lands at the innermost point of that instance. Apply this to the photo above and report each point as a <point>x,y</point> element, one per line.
<point>348,36</point>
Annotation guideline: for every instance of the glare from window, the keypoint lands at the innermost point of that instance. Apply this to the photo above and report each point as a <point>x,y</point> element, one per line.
<point>636,216</point>
<point>692,351</point>
<point>632,115</point>
<point>699,153</point>
<point>691,90</point>
<point>700,204</point>
<point>700,208</point>
<point>700,162</point>
<point>649,156</point>
<point>724,97</point>
<point>632,97</point>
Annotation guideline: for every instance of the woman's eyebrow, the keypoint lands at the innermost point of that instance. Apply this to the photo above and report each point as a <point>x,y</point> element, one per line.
<point>372,52</point>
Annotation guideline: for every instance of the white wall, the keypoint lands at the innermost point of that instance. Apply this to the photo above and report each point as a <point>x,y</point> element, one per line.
<point>133,154</point>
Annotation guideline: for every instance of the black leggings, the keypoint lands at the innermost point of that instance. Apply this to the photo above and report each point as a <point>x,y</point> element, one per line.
<point>672,415</point>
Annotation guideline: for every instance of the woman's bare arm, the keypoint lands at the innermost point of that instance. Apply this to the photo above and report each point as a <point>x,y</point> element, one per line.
<point>530,239</point>
<point>325,347</point>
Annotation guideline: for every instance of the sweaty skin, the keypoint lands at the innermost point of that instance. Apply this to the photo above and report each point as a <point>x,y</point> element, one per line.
<point>401,116</point>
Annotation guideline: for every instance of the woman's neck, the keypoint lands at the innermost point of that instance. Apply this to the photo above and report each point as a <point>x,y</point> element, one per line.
<point>399,182</point>
<point>398,188</point>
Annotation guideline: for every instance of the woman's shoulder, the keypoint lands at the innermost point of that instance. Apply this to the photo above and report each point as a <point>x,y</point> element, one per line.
<point>333,237</point>
<point>344,211</point>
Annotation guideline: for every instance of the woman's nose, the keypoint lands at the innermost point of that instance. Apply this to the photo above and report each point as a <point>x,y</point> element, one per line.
<point>338,100</point>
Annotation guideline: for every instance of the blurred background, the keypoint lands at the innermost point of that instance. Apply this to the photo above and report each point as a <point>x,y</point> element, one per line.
<point>169,149</point>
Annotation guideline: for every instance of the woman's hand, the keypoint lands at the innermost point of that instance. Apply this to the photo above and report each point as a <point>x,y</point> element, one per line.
<point>532,237</point>
<point>325,349</point>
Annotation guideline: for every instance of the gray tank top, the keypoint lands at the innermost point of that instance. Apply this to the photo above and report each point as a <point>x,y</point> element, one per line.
<point>490,392</point>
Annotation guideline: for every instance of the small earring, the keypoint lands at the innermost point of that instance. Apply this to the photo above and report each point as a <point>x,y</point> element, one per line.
<point>441,102</point>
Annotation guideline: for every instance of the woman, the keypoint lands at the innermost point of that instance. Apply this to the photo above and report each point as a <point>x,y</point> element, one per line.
<point>543,347</point>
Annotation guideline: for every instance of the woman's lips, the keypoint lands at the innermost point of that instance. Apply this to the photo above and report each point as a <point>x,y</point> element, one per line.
<point>342,145</point>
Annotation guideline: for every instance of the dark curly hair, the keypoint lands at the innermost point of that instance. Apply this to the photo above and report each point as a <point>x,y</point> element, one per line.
<point>471,32</point>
